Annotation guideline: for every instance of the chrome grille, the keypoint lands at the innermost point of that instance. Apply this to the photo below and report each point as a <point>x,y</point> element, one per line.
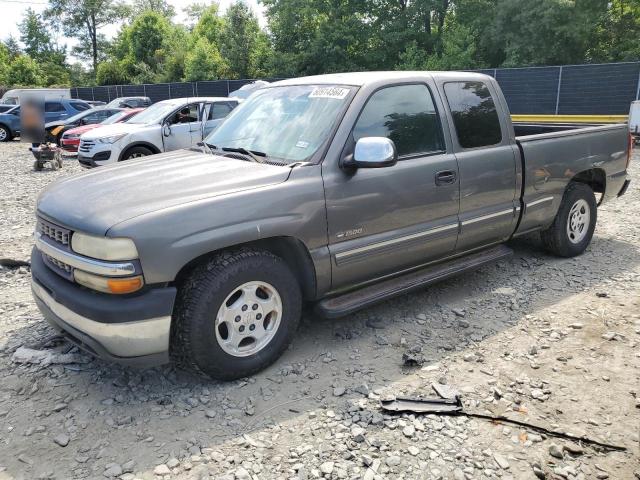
<point>86,146</point>
<point>58,263</point>
<point>54,232</point>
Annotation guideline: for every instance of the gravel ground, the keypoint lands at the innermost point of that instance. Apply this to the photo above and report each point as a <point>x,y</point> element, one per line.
<point>536,338</point>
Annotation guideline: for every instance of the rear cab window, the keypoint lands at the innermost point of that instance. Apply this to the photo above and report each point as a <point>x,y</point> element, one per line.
<point>405,114</point>
<point>474,114</point>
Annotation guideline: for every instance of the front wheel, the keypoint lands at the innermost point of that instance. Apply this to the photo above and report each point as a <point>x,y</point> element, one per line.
<point>235,314</point>
<point>136,152</point>
<point>572,229</point>
<point>5,134</point>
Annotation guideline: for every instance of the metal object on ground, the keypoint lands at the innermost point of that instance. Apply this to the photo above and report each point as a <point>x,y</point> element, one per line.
<point>423,405</point>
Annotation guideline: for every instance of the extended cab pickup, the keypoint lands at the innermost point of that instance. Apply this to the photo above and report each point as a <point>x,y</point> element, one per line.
<point>338,190</point>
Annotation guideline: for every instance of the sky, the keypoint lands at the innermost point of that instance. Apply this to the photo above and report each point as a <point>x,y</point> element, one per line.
<point>13,11</point>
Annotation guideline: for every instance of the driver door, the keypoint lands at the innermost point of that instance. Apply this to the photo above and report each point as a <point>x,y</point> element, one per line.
<point>181,123</point>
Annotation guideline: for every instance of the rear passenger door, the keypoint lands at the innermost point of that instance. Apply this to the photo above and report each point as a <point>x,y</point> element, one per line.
<point>214,114</point>
<point>383,220</point>
<point>54,111</point>
<point>487,164</point>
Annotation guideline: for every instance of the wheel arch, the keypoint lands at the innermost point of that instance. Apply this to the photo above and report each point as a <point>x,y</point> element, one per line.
<point>596,178</point>
<point>8,129</point>
<point>292,250</point>
<point>148,145</point>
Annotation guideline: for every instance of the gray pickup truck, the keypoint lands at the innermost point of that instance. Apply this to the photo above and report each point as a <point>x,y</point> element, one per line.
<point>337,190</point>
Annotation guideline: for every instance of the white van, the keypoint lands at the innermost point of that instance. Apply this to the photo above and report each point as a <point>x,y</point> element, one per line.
<point>12,97</point>
<point>634,120</point>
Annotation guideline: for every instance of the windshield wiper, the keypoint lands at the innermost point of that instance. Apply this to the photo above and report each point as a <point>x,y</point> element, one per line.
<point>253,154</point>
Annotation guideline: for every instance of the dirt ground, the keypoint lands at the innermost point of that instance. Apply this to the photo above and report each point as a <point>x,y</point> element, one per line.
<point>550,341</point>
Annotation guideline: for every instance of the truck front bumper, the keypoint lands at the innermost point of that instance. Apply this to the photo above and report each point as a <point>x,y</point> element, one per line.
<point>132,330</point>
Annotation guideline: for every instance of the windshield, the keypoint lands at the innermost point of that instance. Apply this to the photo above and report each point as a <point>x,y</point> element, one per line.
<point>116,117</point>
<point>155,113</point>
<point>287,123</point>
<point>79,116</point>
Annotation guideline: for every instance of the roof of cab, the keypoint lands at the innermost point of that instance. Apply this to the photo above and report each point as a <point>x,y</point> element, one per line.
<point>363,78</point>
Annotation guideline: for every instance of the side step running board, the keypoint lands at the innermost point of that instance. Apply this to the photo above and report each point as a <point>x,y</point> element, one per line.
<point>378,292</point>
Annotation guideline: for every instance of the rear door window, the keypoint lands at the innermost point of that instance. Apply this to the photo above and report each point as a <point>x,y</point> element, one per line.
<point>474,114</point>
<point>219,110</point>
<point>53,107</point>
<point>405,114</point>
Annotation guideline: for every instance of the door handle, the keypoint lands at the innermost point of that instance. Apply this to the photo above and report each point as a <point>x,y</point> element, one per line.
<point>446,177</point>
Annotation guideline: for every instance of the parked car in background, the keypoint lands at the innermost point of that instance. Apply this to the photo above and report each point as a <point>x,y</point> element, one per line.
<point>244,91</point>
<point>54,110</point>
<point>13,96</point>
<point>71,138</point>
<point>129,102</point>
<point>54,130</point>
<point>10,124</point>
<point>96,103</point>
<point>163,127</point>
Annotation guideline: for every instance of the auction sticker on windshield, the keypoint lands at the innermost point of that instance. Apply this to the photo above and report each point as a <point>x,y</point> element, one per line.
<point>329,92</point>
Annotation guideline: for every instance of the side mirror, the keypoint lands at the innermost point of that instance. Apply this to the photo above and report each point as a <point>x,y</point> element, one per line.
<point>373,152</point>
<point>166,129</point>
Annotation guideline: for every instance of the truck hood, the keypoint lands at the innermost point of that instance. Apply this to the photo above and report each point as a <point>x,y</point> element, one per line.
<point>103,197</point>
<point>113,129</point>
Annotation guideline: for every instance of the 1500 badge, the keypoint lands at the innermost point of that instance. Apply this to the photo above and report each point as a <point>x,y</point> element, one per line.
<point>350,233</point>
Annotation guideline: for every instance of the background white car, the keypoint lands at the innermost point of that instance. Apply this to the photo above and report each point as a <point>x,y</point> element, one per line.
<point>163,127</point>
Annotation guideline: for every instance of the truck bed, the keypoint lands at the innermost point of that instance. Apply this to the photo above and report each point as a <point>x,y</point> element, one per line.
<point>552,154</point>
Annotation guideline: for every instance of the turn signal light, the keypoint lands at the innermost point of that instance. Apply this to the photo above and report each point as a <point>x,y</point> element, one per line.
<point>116,286</point>
<point>124,285</point>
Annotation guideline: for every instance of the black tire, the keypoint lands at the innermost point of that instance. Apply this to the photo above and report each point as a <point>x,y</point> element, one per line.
<point>5,134</point>
<point>37,166</point>
<point>136,152</point>
<point>557,238</point>
<point>194,342</point>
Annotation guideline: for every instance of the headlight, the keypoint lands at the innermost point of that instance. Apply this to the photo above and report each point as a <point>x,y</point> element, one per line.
<point>109,285</point>
<point>111,139</point>
<point>104,248</point>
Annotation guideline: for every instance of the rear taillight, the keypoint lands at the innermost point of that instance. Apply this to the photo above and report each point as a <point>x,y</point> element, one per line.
<point>630,149</point>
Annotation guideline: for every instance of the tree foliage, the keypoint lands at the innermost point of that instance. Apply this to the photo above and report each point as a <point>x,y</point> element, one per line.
<point>315,36</point>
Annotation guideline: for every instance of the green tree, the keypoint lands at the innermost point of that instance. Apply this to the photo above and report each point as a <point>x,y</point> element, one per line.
<point>194,12</point>
<point>82,19</point>
<point>617,32</point>
<point>147,35</point>
<point>12,46</point>
<point>209,25</point>
<point>239,39</point>
<point>162,7</point>
<point>4,63</point>
<point>24,71</point>
<point>34,35</point>
<point>204,62</point>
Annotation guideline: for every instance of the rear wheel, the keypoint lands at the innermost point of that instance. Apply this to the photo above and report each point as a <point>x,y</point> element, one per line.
<point>572,229</point>
<point>235,314</point>
<point>136,152</point>
<point>5,134</point>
